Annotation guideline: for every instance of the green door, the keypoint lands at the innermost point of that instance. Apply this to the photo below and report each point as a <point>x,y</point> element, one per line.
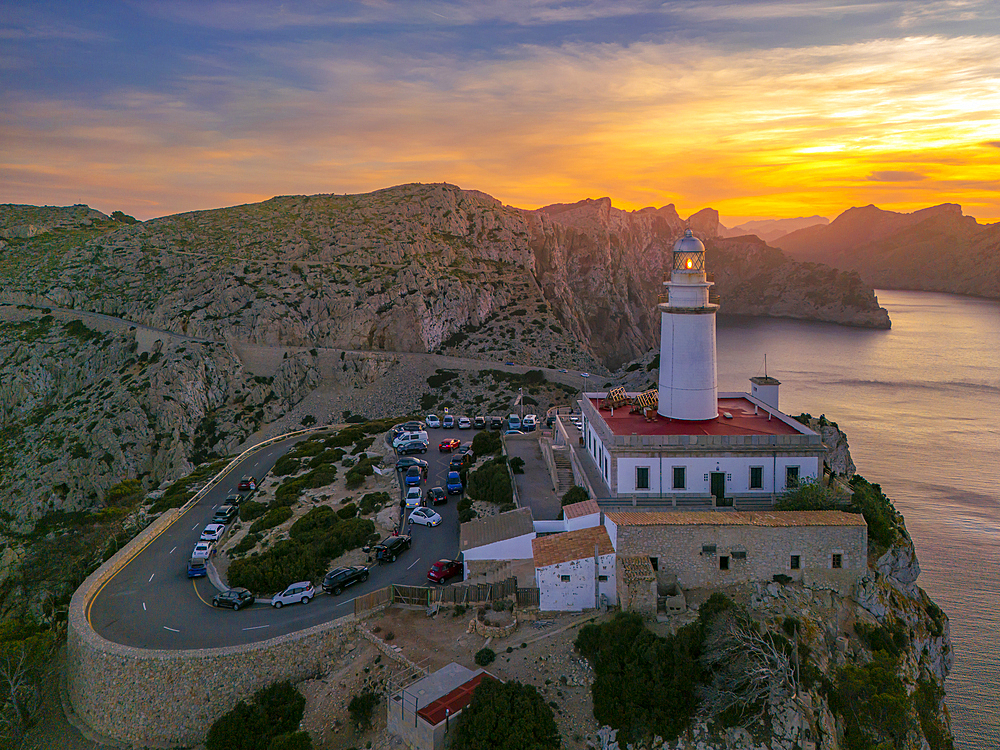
<point>719,488</point>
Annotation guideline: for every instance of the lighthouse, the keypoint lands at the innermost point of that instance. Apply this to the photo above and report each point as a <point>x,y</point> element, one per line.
<point>688,387</point>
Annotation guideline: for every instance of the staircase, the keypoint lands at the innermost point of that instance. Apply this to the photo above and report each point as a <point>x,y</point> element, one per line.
<point>564,470</point>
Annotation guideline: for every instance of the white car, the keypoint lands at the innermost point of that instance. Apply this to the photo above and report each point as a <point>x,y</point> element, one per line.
<point>433,420</point>
<point>302,591</point>
<point>584,374</point>
<point>213,532</point>
<point>414,497</point>
<point>464,423</point>
<point>425,517</point>
<point>203,551</point>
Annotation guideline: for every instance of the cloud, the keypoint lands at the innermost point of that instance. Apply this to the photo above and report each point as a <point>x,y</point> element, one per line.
<point>994,144</point>
<point>890,175</point>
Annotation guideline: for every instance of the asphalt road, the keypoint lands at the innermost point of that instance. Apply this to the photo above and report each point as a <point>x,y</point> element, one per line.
<point>151,603</point>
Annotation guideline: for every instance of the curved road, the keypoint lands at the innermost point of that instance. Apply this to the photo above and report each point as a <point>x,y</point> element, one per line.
<point>151,603</point>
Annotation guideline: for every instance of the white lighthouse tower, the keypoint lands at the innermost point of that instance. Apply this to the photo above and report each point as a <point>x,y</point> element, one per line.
<point>688,373</point>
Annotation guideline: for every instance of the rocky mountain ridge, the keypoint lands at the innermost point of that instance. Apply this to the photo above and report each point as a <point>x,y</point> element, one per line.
<point>409,268</point>
<point>933,249</point>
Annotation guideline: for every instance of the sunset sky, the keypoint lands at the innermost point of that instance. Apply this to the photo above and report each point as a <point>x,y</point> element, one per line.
<point>757,109</point>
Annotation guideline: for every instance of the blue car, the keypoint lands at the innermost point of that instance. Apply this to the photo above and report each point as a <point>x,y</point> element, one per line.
<point>414,475</point>
<point>454,483</point>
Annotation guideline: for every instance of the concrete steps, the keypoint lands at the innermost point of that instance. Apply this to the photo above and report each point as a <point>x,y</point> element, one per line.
<point>564,471</point>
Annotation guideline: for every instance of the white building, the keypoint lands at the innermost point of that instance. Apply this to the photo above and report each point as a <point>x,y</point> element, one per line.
<point>699,448</point>
<point>498,544</point>
<point>574,569</point>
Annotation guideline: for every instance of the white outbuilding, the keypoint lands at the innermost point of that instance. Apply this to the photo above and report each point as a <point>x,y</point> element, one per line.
<point>575,569</point>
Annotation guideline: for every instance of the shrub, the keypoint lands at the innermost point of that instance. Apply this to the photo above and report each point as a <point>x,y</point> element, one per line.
<point>441,377</point>
<point>283,706</point>
<point>251,510</point>
<point>273,712</point>
<point>285,466</point>
<point>356,476</point>
<point>308,420</point>
<point>506,715</point>
<point>123,493</point>
<point>891,637</point>
<point>486,443</point>
<point>329,456</point>
<point>291,741</point>
<point>575,494</point>
<point>464,516</point>
<point>809,495</point>
<point>348,511</point>
<point>291,489</point>
<point>491,482</point>
<point>485,657</point>
<point>374,501</point>
<point>361,709</point>
<point>243,728</point>
<point>873,703</point>
<point>517,465</point>
<point>274,517</point>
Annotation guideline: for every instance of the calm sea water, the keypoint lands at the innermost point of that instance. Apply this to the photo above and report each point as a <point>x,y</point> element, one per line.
<point>921,408</point>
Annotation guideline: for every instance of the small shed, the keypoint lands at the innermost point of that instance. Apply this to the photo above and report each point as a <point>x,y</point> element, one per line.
<point>575,569</point>
<point>582,515</point>
<point>505,537</point>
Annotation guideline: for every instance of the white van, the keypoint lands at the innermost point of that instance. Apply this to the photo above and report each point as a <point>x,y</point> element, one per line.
<point>407,437</point>
<point>528,424</point>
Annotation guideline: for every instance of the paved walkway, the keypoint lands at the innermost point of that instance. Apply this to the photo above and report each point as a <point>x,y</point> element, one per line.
<point>534,486</point>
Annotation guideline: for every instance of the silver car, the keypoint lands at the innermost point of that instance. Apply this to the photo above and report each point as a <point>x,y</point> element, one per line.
<point>302,591</point>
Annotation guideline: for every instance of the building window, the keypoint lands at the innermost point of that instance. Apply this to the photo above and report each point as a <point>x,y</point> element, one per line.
<point>602,578</point>
<point>564,579</point>
<point>642,477</point>
<point>680,478</point>
<point>791,476</point>
<point>837,561</point>
<point>724,562</point>
<point>795,562</point>
<point>655,562</point>
<point>756,477</point>
<point>739,554</point>
<point>708,549</point>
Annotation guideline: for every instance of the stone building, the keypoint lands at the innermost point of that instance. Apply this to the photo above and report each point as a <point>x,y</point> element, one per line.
<point>827,549</point>
<point>574,569</point>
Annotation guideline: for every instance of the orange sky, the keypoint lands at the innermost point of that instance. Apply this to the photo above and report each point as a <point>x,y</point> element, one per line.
<point>762,130</point>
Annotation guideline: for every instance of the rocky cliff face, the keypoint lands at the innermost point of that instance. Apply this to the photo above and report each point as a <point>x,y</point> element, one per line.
<point>81,411</point>
<point>934,249</point>
<point>410,268</point>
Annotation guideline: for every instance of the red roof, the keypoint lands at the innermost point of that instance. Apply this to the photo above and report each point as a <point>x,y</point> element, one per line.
<point>744,422</point>
<point>456,700</point>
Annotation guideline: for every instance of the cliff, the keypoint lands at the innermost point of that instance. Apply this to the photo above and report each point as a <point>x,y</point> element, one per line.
<point>934,249</point>
<point>409,268</point>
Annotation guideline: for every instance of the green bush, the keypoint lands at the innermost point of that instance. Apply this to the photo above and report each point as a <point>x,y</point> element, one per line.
<point>374,501</point>
<point>485,657</point>
<point>506,716</point>
<point>575,494</point>
<point>273,713</point>
<point>928,697</point>
<point>464,516</point>
<point>246,544</point>
<point>123,493</point>
<point>486,442</point>
<point>252,510</point>
<point>891,637</point>
<point>873,704</point>
<point>348,511</point>
<point>356,476</point>
<point>517,465</point>
<point>329,456</point>
<point>274,517</point>
<point>491,482</point>
<point>885,525</point>
<point>361,709</point>
<point>291,741</point>
<point>291,489</point>
<point>183,490</point>
<point>441,377</point>
<point>286,465</point>
<point>809,495</point>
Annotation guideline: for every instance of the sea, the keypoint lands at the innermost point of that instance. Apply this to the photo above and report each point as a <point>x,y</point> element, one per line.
<point>920,404</point>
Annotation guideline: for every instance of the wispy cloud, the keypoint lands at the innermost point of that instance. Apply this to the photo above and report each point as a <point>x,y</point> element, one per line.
<point>892,175</point>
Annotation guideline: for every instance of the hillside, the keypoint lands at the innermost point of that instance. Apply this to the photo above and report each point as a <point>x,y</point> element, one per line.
<point>934,249</point>
<point>770,230</point>
<point>409,268</point>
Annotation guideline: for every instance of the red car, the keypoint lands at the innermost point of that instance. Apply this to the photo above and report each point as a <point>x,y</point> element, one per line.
<point>449,445</point>
<point>442,570</point>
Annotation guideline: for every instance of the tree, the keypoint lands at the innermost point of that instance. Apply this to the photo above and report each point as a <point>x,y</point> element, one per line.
<point>575,494</point>
<point>506,716</point>
<point>874,703</point>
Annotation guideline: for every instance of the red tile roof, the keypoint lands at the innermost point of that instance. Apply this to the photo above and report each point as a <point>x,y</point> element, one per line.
<point>571,545</point>
<point>744,422</point>
<point>586,508</point>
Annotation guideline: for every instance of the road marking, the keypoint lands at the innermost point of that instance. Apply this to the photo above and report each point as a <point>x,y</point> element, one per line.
<point>171,551</point>
<point>151,578</point>
<point>144,606</point>
<point>257,627</point>
<point>198,593</point>
<point>341,604</point>
<point>414,563</point>
<point>172,630</point>
<point>194,527</point>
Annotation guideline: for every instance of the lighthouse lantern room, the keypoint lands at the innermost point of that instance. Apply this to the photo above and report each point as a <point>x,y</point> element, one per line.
<point>688,387</point>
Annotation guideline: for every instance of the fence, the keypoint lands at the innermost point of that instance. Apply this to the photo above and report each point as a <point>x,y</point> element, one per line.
<point>426,596</point>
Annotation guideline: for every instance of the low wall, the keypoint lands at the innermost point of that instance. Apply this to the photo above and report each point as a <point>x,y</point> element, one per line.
<point>161,697</point>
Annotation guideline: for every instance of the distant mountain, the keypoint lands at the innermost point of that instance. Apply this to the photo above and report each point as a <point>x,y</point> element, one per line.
<point>771,229</point>
<point>934,249</point>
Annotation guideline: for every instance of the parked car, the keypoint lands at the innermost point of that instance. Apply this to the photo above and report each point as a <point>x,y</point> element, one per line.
<point>513,422</point>
<point>203,551</point>
<point>235,599</point>
<point>513,432</point>
<point>466,451</point>
<point>389,548</point>
<point>437,496</point>
<point>414,497</point>
<point>446,446</point>
<point>408,461</point>
<point>339,579</point>
<point>225,514</point>
<point>302,592</point>
<point>563,369</point>
<point>460,460</point>
<point>410,435</point>
<point>550,420</point>
<point>464,423</point>
<point>234,499</point>
<point>442,570</point>
<point>247,484</point>
<point>213,532</point>
<point>479,423</point>
<point>197,567</point>
<point>414,446</point>
<point>448,422</point>
<point>529,423</point>
<point>414,476</point>
<point>584,374</point>
<point>496,423</point>
<point>425,517</point>
<point>433,420</point>
<point>454,483</point>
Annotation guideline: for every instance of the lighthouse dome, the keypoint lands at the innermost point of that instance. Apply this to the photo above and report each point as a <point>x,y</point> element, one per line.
<point>689,244</point>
